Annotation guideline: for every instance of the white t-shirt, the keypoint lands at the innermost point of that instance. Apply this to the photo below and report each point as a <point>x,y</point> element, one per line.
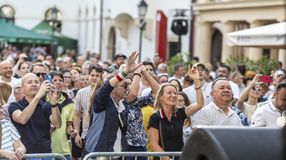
<point>206,89</point>
<point>235,89</point>
<point>80,104</point>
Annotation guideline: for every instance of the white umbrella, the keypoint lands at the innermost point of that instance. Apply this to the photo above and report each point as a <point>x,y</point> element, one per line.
<point>273,35</point>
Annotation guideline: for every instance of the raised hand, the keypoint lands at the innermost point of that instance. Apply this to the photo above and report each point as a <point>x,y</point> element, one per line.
<point>138,70</point>
<point>256,78</point>
<point>131,65</point>
<point>53,95</point>
<point>194,73</point>
<point>44,88</point>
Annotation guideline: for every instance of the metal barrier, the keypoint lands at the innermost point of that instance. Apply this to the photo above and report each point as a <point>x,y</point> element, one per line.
<point>45,155</point>
<point>132,154</point>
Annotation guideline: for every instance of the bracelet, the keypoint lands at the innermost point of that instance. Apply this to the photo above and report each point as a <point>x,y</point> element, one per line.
<point>118,77</point>
<point>54,105</point>
<point>124,74</point>
<point>138,74</point>
<point>198,88</point>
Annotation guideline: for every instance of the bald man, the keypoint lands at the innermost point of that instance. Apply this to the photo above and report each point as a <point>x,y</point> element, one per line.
<point>6,69</point>
<point>32,115</point>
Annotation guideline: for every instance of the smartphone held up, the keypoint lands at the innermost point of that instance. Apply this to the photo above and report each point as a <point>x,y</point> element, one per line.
<point>266,79</point>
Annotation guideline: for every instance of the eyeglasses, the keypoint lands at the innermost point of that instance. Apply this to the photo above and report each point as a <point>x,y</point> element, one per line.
<point>40,74</point>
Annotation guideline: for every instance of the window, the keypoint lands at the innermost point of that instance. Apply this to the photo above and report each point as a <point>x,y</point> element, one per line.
<point>7,13</point>
<point>54,16</point>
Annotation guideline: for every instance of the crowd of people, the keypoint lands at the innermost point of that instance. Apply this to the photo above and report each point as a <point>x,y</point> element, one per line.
<point>75,105</point>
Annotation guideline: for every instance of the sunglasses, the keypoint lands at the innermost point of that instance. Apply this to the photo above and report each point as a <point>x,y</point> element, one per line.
<point>40,74</point>
<point>256,89</point>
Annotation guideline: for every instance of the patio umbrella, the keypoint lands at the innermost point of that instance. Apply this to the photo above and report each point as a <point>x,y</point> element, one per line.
<point>273,35</point>
<point>15,34</point>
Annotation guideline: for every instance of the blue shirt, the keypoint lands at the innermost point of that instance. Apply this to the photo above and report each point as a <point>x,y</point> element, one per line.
<point>35,134</point>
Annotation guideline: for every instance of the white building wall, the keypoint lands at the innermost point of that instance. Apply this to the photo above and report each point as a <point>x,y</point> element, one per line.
<point>31,12</point>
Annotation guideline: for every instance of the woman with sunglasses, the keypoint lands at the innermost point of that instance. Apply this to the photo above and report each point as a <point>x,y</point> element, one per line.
<point>166,124</point>
<point>248,100</point>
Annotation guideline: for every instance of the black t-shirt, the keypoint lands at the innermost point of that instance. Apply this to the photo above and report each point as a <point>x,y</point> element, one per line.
<point>35,134</point>
<point>172,131</point>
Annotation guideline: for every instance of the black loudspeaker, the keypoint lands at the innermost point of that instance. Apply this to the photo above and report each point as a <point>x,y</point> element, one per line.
<point>180,26</point>
<point>234,144</point>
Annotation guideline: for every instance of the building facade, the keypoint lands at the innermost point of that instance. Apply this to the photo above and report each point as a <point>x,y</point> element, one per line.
<point>104,26</point>
<point>215,18</point>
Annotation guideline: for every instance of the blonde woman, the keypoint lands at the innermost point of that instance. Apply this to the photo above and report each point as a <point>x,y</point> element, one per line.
<point>166,124</point>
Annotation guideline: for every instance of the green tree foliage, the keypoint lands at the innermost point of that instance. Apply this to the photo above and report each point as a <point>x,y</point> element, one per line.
<point>264,65</point>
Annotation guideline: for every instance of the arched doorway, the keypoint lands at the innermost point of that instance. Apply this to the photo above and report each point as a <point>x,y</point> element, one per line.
<point>111,43</point>
<point>216,48</point>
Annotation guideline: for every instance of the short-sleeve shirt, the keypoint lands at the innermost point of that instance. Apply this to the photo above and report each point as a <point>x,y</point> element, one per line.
<point>266,116</point>
<point>59,136</point>
<point>172,131</point>
<point>9,135</point>
<point>35,134</point>
<point>206,89</point>
<point>81,102</point>
<point>135,134</point>
<point>212,115</point>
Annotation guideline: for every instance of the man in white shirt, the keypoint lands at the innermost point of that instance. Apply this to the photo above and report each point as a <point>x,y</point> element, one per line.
<point>206,87</point>
<point>218,112</point>
<point>273,112</point>
<point>224,71</point>
<point>6,68</point>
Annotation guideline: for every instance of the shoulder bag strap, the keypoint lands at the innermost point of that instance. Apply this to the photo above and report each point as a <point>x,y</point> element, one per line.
<point>161,134</point>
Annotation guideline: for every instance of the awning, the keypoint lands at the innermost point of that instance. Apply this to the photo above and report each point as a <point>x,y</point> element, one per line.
<point>63,40</point>
<point>15,34</point>
<point>273,35</point>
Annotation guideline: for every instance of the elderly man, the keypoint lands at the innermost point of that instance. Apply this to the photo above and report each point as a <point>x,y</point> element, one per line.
<point>224,71</point>
<point>218,112</point>
<point>32,116</point>
<point>273,112</point>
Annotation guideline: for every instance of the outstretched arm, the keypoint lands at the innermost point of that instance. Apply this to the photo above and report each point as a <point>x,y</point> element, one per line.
<point>134,88</point>
<point>130,67</point>
<point>153,83</point>
<point>191,109</point>
<point>243,96</point>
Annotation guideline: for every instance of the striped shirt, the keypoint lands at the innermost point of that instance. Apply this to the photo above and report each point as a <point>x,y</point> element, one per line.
<point>9,135</point>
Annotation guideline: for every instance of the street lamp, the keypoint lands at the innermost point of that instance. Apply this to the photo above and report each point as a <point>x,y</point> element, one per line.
<point>142,10</point>
<point>54,12</point>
